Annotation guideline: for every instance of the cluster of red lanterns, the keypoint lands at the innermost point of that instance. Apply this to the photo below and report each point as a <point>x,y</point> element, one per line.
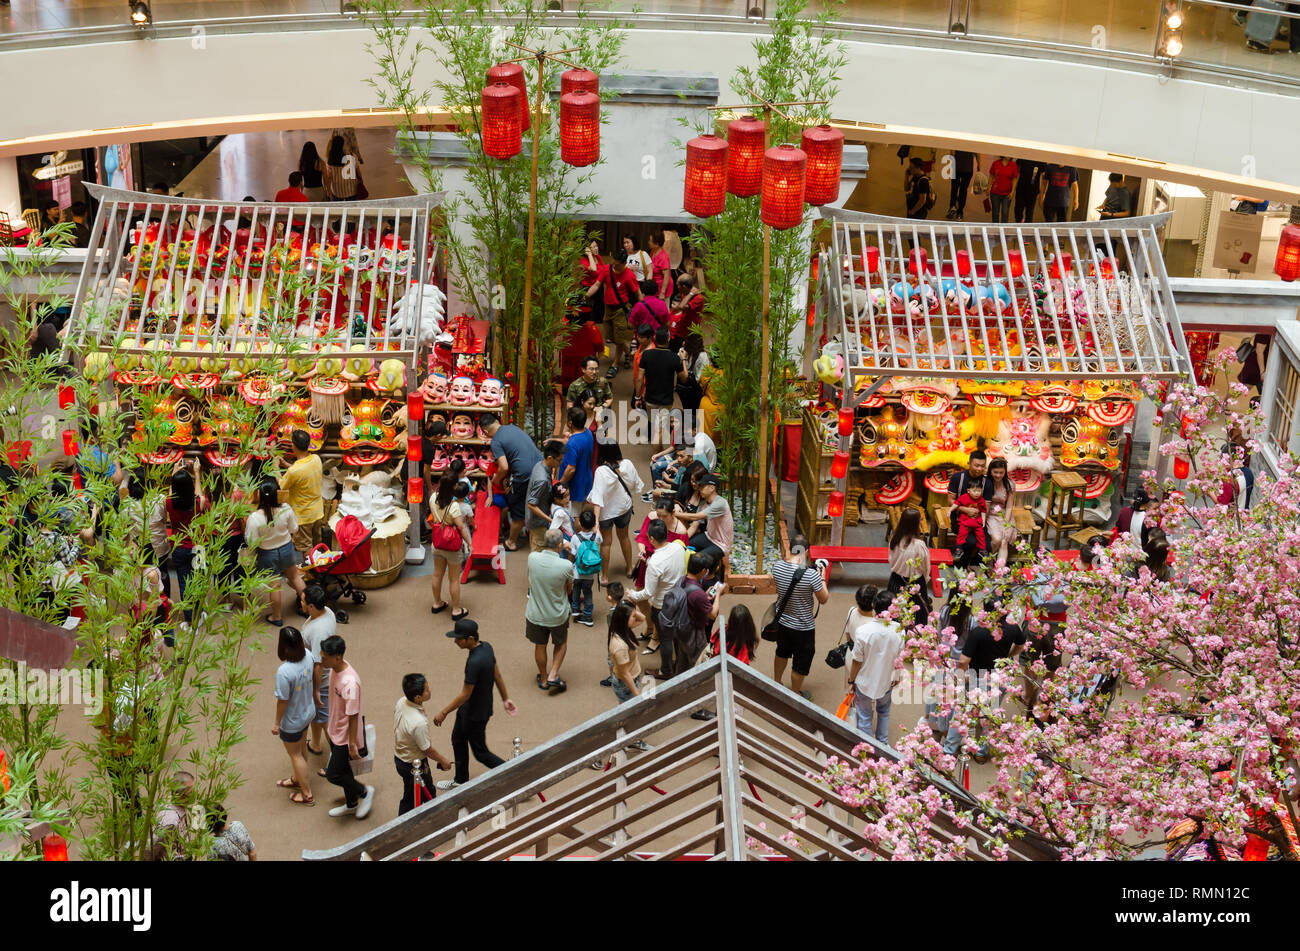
<point>506,117</point>
<point>787,176</point>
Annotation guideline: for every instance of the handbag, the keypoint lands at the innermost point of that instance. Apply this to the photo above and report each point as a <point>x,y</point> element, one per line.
<point>838,655</point>
<point>1245,349</point>
<point>771,616</point>
<point>842,711</point>
<point>445,537</point>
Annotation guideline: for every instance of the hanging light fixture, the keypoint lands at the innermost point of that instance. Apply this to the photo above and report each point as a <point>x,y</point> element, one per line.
<point>706,176</point>
<point>1015,263</point>
<point>54,847</point>
<point>1182,467</point>
<point>963,263</point>
<point>917,262</point>
<point>835,504</point>
<point>871,259</point>
<point>572,80</point>
<point>846,421</point>
<point>824,147</point>
<point>745,143</point>
<point>1286,264</point>
<point>503,136</point>
<point>1171,29</point>
<point>141,15</point>
<point>580,128</point>
<point>1060,263</point>
<point>784,171</point>
<point>839,464</point>
<point>513,74</point>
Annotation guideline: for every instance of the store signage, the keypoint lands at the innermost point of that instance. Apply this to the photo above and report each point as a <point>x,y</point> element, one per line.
<point>1236,246</point>
<point>49,172</point>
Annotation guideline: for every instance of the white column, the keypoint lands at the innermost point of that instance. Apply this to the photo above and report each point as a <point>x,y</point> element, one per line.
<point>10,201</point>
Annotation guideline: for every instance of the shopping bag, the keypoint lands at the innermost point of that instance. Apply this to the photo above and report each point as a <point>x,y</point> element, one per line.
<point>845,706</point>
<point>367,763</point>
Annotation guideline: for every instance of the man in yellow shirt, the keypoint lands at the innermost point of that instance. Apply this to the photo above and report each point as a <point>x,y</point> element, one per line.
<point>300,485</point>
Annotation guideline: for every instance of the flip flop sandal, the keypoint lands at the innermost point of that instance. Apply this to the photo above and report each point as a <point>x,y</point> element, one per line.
<point>279,623</point>
<point>463,613</point>
<point>287,783</point>
<point>541,683</point>
<point>298,799</point>
<point>321,773</point>
<point>556,686</point>
<point>438,608</point>
<point>506,546</point>
<point>314,752</point>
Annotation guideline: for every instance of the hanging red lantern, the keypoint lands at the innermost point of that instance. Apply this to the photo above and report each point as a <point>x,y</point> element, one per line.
<point>812,303</point>
<point>414,448</point>
<point>580,128</point>
<point>55,848</point>
<point>824,147</point>
<point>745,143</point>
<point>835,504</point>
<point>784,170</point>
<point>573,80</point>
<point>1185,426</point>
<point>1015,263</point>
<point>503,135</point>
<point>1286,264</point>
<point>871,259</point>
<point>706,176</point>
<point>67,396</point>
<point>840,465</point>
<point>1106,269</point>
<point>69,442</point>
<point>415,490</point>
<point>963,263</point>
<point>1182,467</point>
<point>917,262</point>
<point>415,405</point>
<point>513,74</point>
<point>1060,263</point>
<point>846,421</point>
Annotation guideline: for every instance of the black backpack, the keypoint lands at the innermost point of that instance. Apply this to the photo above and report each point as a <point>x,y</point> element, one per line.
<point>675,615</point>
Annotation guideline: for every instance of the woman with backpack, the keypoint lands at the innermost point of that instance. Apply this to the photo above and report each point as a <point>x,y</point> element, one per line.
<point>615,486</point>
<point>268,530</point>
<point>450,540</point>
<point>695,359</point>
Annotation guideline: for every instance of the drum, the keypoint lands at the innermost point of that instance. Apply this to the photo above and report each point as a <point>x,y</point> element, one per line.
<point>387,553</point>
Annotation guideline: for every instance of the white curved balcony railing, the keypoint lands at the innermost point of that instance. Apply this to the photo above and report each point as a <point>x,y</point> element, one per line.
<point>1213,42</point>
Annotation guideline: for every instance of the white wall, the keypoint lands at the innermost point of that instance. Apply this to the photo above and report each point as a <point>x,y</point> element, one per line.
<point>1225,130</point>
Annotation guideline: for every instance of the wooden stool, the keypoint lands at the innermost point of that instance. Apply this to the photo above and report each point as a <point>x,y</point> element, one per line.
<point>942,527</point>
<point>1027,525</point>
<point>1084,535</point>
<point>1062,516</point>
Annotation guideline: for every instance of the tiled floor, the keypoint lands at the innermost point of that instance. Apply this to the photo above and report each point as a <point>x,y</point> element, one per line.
<point>1210,35</point>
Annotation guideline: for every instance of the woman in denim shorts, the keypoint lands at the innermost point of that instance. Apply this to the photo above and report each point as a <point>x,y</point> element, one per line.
<point>269,531</point>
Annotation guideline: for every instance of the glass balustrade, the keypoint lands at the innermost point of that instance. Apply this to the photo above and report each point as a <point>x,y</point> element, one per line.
<point>1212,33</point>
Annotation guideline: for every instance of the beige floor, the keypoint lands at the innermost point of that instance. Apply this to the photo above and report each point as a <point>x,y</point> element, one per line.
<point>259,163</point>
<point>1210,36</point>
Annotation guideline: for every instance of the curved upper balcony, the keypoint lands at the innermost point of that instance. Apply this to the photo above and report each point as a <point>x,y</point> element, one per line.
<point>1049,77</point>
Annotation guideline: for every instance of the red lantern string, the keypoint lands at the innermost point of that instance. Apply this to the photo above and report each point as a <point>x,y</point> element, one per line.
<point>963,263</point>
<point>579,128</point>
<point>745,138</point>
<point>414,448</point>
<point>1181,467</point>
<point>839,465</point>
<point>1016,263</point>
<point>846,421</point>
<point>917,262</point>
<point>415,490</point>
<point>513,74</point>
<point>502,133</point>
<point>871,259</point>
<point>784,170</point>
<point>706,176</point>
<point>824,147</point>
<point>835,504</point>
<point>55,848</point>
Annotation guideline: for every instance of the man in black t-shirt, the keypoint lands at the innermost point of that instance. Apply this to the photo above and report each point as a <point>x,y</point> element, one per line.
<point>979,654</point>
<point>1027,189</point>
<point>473,705</point>
<point>1060,187</point>
<point>662,370</point>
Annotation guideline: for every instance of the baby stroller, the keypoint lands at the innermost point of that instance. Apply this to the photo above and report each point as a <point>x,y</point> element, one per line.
<point>332,570</point>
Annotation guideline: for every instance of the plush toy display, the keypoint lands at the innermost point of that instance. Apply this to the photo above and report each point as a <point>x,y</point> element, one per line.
<point>949,441</point>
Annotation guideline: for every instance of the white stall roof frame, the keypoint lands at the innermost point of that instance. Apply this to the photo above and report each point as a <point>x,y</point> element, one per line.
<point>100,310</point>
<point>1131,317</point>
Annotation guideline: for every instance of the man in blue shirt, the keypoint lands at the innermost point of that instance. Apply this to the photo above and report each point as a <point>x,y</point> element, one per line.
<point>515,454</point>
<point>577,469</point>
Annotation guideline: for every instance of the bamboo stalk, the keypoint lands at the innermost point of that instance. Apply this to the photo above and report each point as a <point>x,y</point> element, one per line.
<point>528,256</point>
<point>760,518</point>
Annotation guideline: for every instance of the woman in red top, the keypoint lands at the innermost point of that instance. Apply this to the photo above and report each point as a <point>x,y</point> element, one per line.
<point>742,635</point>
<point>676,532</point>
<point>1002,184</point>
<point>182,505</point>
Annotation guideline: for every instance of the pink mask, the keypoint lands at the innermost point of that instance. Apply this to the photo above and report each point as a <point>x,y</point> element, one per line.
<point>461,392</point>
<point>491,392</point>
<point>462,426</point>
<point>435,388</point>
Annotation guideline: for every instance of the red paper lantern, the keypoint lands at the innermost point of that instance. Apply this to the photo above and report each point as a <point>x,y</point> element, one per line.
<point>824,147</point>
<point>69,442</point>
<point>846,421</point>
<point>963,263</point>
<point>513,74</point>
<point>1107,268</point>
<point>573,80</point>
<point>580,128</point>
<point>67,396</point>
<point>415,405</point>
<point>503,135</point>
<point>835,505</point>
<point>917,262</point>
<point>415,490</point>
<point>19,452</point>
<point>745,143</point>
<point>840,465</point>
<point>1060,262</point>
<point>706,176</point>
<point>414,448</point>
<point>871,259</point>
<point>1181,467</point>
<point>1287,263</point>
<point>1015,263</point>
<point>55,848</point>
<point>784,170</point>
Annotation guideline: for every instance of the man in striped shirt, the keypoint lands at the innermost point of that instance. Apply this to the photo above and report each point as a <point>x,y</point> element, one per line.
<point>798,626</point>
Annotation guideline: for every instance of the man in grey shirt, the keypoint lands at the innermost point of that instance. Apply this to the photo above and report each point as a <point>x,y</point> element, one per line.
<point>516,454</point>
<point>539,493</point>
<point>546,619</point>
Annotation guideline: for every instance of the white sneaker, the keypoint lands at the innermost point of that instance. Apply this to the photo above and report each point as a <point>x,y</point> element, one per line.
<point>448,784</point>
<point>339,811</point>
<point>363,807</point>
<point>640,745</point>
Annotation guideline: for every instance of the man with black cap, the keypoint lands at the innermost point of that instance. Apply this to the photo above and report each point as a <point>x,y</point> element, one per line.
<point>473,705</point>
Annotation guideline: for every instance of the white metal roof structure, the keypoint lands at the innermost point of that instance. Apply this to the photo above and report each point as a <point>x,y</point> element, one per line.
<point>991,301</point>
<point>731,788</point>
<point>139,285</point>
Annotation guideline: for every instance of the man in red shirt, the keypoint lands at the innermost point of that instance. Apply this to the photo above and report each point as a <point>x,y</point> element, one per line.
<point>621,293</point>
<point>294,192</point>
<point>1002,185</point>
<point>660,265</point>
<point>687,310</point>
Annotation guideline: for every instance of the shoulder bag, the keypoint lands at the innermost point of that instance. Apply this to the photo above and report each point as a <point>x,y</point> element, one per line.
<point>445,537</point>
<point>838,655</point>
<point>771,617</point>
